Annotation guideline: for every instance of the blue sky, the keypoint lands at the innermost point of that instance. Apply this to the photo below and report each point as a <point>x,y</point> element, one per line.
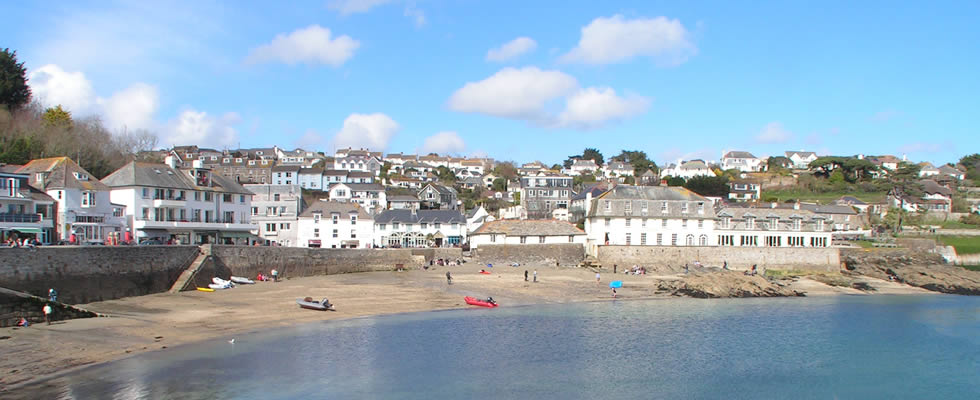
<point>518,80</point>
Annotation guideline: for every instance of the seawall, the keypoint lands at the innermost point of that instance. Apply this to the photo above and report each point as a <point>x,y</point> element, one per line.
<point>665,258</point>
<point>548,254</point>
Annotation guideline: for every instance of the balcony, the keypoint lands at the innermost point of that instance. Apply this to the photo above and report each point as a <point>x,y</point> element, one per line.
<point>21,218</point>
<point>214,224</point>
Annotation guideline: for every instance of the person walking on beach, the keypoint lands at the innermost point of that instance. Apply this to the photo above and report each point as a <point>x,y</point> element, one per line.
<point>47,313</point>
<point>525,275</point>
<point>614,269</point>
<point>535,276</point>
<point>597,277</point>
<point>614,292</point>
<point>275,275</point>
<point>449,278</point>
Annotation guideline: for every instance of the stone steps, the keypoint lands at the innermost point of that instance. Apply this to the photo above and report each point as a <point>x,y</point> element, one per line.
<point>186,278</point>
<point>15,305</point>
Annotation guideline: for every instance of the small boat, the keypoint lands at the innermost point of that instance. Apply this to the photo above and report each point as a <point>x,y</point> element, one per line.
<point>310,304</point>
<point>241,279</point>
<point>215,286</point>
<point>204,289</point>
<point>218,281</point>
<point>484,272</point>
<point>473,301</point>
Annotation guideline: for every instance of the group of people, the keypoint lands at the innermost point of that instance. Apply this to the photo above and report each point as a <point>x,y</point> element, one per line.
<point>273,276</point>
<point>21,242</point>
<point>445,262</point>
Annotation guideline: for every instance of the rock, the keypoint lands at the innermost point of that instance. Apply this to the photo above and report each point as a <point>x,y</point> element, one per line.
<point>725,284</point>
<point>925,270</point>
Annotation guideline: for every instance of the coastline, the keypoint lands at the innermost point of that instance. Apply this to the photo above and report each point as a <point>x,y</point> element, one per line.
<point>155,322</point>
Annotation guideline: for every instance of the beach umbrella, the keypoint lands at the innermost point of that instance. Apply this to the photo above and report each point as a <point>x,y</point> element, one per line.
<point>616,284</point>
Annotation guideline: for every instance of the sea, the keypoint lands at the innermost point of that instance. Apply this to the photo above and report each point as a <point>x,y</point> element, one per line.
<point>835,347</point>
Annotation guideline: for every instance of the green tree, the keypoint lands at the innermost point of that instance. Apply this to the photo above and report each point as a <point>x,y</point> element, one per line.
<point>445,175</point>
<point>715,186</point>
<point>836,177</point>
<point>14,92</point>
<point>21,150</point>
<point>582,178</point>
<point>506,170</point>
<point>499,185</point>
<point>556,167</point>
<point>57,117</point>
<point>384,171</point>
<point>638,159</point>
<point>859,170</point>
<point>675,181</point>
<point>594,155</point>
<point>778,164</point>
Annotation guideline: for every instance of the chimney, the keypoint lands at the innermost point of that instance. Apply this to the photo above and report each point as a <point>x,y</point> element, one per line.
<point>588,202</point>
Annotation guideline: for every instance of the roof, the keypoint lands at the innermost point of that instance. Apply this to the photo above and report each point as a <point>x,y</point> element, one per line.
<point>781,213</point>
<point>588,162</point>
<point>286,168</point>
<point>327,207</point>
<point>443,190</point>
<point>472,180</point>
<point>529,227</point>
<point>403,198</point>
<point>360,174</point>
<point>945,169</point>
<point>418,216</point>
<point>930,186</point>
<point>851,200</point>
<point>163,176</point>
<point>61,172</point>
<point>596,190</point>
<point>364,187</point>
<point>738,154</point>
<point>801,154</point>
<point>335,172</point>
<point>676,198</point>
<point>694,164</point>
<point>9,168</point>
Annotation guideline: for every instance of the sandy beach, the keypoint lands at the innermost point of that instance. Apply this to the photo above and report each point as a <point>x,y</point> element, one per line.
<point>155,322</point>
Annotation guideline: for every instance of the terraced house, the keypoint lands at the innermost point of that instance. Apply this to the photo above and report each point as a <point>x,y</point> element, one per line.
<point>25,211</point>
<point>772,227</point>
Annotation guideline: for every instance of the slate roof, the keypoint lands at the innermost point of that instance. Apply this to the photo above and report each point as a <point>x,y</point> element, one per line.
<point>945,169</point>
<point>360,174</point>
<point>596,190</point>
<point>694,164</point>
<point>61,174</point>
<point>418,216</point>
<point>10,168</point>
<point>738,154</point>
<point>162,176</point>
<point>931,187</point>
<point>801,154</point>
<point>472,180</point>
<point>335,172</point>
<point>851,200</point>
<point>766,213</point>
<point>654,197</point>
<point>365,187</point>
<point>529,227</point>
<point>402,198</point>
<point>327,207</point>
<point>286,168</point>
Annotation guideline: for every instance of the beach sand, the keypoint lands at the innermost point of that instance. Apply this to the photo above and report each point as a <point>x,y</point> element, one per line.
<point>156,322</point>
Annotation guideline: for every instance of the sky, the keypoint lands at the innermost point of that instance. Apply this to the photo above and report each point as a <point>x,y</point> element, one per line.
<point>517,80</point>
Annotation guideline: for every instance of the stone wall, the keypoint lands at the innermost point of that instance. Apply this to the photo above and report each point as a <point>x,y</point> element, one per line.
<point>297,261</point>
<point>917,244</point>
<point>672,259</point>
<point>565,253</point>
<point>83,274</point>
<point>16,305</point>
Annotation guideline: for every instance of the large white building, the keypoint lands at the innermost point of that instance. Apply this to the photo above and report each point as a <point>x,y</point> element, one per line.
<point>335,225</point>
<point>419,228</point>
<point>741,160</point>
<point>771,227</point>
<point>191,205</point>
<point>84,209</point>
<point>275,209</point>
<point>371,196</point>
<point>523,232</point>
<point>649,216</point>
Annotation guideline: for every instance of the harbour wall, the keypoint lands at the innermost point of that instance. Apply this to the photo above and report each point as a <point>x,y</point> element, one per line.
<point>298,261</point>
<point>671,258</point>
<point>547,254</point>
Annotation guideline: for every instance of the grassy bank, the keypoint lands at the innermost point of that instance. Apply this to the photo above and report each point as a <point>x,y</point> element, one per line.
<point>823,198</point>
<point>962,244</point>
<point>971,267</point>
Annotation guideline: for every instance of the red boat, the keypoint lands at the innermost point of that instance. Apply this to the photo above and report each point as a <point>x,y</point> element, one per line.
<point>478,302</point>
<point>485,272</point>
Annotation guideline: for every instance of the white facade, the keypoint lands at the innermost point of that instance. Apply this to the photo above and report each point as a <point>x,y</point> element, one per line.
<point>687,170</point>
<point>741,160</point>
<point>334,225</point>
<point>275,210</point>
<point>801,159</point>
<point>370,196</point>
<point>422,228</point>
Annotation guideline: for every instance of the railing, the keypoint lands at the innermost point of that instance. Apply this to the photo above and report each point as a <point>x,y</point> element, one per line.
<point>32,218</point>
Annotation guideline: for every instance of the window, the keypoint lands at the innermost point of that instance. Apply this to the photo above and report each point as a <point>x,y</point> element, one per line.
<point>146,193</point>
<point>316,217</point>
<point>523,239</point>
<point>628,221</point>
<point>750,222</point>
<point>208,196</point>
<point>270,227</point>
<point>455,225</point>
<point>660,239</point>
<point>541,239</point>
<point>146,213</point>
<point>197,196</point>
<point>774,223</point>
<point>284,227</point>
<point>88,199</point>
<point>643,223</point>
<point>394,225</point>
<point>438,225</point>
<point>353,219</point>
<point>493,238</point>
<point>117,212</point>
<point>683,223</point>
<point>726,222</point>
<point>608,221</point>
<point>663,207</point>
<point>628,238</point>
<point>424,225</point>
<point>663,223</point>
<point>700,207</point>
<point>275,197</point>
<point>316,232</point>
<point>643,207</point>
<point>797,224</point>
<point>255,211</point>
<point>689,240</point>
<point>282,210</point>
<point>684,207</point>
<point>241,199</point>
<point>382,227</point>
<point>335,218</point>
<point>673,239</point>
<point>819,224</point>
<point>607,204</point>
<point>628,206</point>
<point>571,238</point>
<point>643,239</point>
<point>353,234</point>
<point>335,233</point>
<point>700,223</point>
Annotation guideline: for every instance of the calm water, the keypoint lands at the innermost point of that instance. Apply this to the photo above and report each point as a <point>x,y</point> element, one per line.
<point>842,347</point>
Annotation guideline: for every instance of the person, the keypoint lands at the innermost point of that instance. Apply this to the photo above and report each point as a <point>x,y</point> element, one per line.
<point>52,295</point>
<point>260,277</point>
<point>686,270</point>
<point>535,275</point>
<point>724,265</point>
<point>525,275</point>
<point>23,322</point>
<point>449,278</point>
<point>614,269</point>
<point>489,265</point>
<point>47,313</point>
<point>275,275</point>
<point>483,271</point>
<point>614,292</point>
<point>490,300</point>
<point>596,277</point>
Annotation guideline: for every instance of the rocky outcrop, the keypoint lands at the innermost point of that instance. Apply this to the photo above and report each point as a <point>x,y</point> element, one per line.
<point>921,269</point>
<point>720,284</point>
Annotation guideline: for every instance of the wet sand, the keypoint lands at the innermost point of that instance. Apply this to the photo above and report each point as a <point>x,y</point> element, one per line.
<point>156,322</point>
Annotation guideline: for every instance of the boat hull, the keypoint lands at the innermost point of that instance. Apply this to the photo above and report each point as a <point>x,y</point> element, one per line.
<point>473,301</point>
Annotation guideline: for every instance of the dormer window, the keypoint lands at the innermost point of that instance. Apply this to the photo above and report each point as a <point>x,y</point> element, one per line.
<point>726,222</point>
<point>819,227</point>
<point>797,223</point>
<point>684,208</point>
<point>750,222</point>
<point>663,207</point>
<point>774,223</point>
<point>700,207</point>
<point>316,217</point>
<point>80,176</point>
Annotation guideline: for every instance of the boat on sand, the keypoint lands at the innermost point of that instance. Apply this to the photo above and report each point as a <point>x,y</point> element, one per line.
<point>473,301</point>
<point>319,305</point>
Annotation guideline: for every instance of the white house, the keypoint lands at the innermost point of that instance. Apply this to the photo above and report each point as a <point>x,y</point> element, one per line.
<point>741,160</point>
<point>371,196</point>
<point>525,232</point>
<point>801,159</point>
<point>744,190</point>
<point>476,217</point>
<point>275,209</point>
<point>285,175</point>
<point>25,211</point>
<point>617,169</point>
<point>649,216</point>
<point>84,209</point>
<point>926,170</point>
<point>191,205</point>
<point>335,225</point>
<point>687,170</point>
<point>419,228</point>
<point>951,172</point>
<point>771,227</point>
<point>580,166</point>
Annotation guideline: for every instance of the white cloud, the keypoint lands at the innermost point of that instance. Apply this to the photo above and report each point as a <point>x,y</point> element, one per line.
<point>130,108</point>
<point>52,85</point>
<point>529,94</point>
<point>348,7</point>
<point>416,14</point>
<point>774,132</point>
<point>202,129</point>
<point>616,39</point>
<point>513,93</point>
<point>371,131</point>
<point>312,45</point>
<point>591,107</point>
<point>446,142</point>
<point>311,140</point>
<point>512,49</point>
